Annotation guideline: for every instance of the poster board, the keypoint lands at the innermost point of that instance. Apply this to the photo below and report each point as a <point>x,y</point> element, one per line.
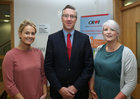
<point>92,26</point>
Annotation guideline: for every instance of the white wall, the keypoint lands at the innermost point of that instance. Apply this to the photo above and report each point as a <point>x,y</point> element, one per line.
<point>48,12</point>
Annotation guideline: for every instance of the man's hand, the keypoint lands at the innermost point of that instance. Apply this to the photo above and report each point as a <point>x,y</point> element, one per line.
<point>66,93</point>
<point>72,90</point>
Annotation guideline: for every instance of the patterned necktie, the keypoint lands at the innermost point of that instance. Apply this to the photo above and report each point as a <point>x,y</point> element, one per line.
<point>69,47</point>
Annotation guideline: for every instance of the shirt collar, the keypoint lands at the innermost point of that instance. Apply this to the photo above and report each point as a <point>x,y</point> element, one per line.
<point>65,33</point>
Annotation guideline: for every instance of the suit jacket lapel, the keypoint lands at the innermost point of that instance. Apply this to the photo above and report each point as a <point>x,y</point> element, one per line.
<point>74,45</point>
<point>62,41</point>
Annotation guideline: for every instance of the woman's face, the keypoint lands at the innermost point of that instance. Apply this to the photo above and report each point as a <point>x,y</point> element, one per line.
<point>27,35</point>
<point>110,34</point>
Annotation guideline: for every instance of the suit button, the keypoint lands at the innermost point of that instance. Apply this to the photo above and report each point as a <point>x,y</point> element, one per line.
<point>69,69</point>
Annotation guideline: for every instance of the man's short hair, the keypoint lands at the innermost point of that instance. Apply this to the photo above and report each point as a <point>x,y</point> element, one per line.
<point>69,7</point>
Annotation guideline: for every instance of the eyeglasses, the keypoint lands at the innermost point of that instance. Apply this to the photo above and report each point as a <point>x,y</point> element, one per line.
<point>71,16</point>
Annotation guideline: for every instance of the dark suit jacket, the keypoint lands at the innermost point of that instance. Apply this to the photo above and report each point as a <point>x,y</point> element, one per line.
<point>60,71</point>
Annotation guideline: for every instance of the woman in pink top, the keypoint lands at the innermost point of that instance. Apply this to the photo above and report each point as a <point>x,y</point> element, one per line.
<point>23,67</point>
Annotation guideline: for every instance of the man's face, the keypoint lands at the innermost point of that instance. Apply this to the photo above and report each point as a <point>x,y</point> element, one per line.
<point>69,19</point>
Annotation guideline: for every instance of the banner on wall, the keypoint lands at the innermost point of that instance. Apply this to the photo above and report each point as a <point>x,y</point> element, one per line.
<point>92,26</point>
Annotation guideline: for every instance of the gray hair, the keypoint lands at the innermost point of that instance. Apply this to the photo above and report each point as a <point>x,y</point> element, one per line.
<point>112,24</point>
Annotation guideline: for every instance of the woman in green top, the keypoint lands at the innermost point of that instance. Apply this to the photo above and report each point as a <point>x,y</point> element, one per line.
<point>115,67</point>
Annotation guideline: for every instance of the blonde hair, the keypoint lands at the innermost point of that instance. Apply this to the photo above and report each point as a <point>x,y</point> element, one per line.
<point>26,23</point>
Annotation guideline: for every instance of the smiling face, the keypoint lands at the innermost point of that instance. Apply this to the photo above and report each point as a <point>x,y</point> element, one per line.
<point>110,34</point>
<point>69,19</point>
<point>27,36</point>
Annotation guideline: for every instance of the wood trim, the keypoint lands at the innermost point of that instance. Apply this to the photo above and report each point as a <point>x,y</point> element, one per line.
<point>1,57</point>
<point>6,1</point>
<point>123,8</point>
<point>135,93</point>
<point>117,5</point>
<point>11,3</point>
<point>12,23</point>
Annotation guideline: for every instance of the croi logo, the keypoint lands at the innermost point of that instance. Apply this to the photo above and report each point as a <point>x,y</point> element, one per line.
<point>94,22</point>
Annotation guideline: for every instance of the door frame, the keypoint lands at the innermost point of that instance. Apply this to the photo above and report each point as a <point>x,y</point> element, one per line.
<point>11,3</point>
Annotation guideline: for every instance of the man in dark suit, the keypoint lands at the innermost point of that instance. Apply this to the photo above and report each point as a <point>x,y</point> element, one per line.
<point>68,60</point>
